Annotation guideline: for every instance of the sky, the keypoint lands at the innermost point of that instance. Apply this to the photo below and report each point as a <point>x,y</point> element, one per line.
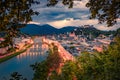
<point>60,16</point>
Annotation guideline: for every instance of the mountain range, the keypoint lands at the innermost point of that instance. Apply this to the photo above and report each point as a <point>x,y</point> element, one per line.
<point>33,29</point>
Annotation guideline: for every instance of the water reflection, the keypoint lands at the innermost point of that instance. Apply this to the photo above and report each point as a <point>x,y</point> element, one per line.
<point>36,50</point>
<point>22,62</point>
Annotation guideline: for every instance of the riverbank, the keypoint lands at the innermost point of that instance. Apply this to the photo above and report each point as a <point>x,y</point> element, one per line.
<point>13,54</point>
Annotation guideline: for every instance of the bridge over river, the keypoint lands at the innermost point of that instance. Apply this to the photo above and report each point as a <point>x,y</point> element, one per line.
<point>36,53</point>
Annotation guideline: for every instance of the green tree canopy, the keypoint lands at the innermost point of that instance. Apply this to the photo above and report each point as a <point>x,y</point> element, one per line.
<point>14,14</point>
<point>105,10</point>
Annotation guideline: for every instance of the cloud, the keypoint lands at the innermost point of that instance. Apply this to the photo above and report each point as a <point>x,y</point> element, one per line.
<point>78,22</point>
<point>32,22</point>
<point>80,4</point>
<point>59,12</point>
<point>107,28</point>
<point>60,16</point>
<point>72,22</point>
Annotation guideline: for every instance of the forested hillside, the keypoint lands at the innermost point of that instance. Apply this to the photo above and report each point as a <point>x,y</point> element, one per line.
<point>91,31</point>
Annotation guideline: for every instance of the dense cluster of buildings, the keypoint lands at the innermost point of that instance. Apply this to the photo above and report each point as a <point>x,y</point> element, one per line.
<point>76,44</point>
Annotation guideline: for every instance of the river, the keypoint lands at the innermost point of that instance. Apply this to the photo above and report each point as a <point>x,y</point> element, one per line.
<point>22,62</point>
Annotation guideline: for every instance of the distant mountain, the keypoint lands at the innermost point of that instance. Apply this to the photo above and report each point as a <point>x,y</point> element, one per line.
<point>67,29</point>
<point>33,29</point>
<point>91,30</point>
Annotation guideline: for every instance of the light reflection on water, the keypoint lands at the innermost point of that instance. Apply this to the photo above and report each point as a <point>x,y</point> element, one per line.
<point>22,62</point>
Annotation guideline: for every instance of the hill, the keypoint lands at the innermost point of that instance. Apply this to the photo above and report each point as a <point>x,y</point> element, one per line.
<point>33,29</point>
<point>91,30</point>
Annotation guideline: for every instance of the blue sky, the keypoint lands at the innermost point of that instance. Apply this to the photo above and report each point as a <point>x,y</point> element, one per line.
<point>60,16</point>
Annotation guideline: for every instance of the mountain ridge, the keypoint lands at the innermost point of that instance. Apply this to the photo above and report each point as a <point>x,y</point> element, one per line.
<point>46,29</point>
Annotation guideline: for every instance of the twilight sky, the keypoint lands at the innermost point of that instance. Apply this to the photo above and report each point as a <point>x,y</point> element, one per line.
<point>60,16</point>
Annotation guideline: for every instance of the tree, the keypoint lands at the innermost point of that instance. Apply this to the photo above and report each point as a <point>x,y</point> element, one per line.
<point>14,15</point>
<point>48,68</point>
<point>105,10</point>
<point>101,66</point>
<point>16,76</point>
<point>41,70</point>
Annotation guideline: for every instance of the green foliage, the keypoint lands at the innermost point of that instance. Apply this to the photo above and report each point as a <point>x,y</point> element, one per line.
<point>93,32</point>
<point>72,47</point>
<point>42,69</point>
<point>11,49</point>
<point>14,15</point>
<point>105,10</point>
<point>101,66</point>
<point>97,66</point>
<point>16,76</point>
<point>54,57</point>
<point>69,71</point>
<point>91,66</point>
<point>117,32</point>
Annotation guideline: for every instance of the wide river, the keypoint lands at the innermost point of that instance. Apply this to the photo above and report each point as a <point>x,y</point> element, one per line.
<point>22,62</point>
